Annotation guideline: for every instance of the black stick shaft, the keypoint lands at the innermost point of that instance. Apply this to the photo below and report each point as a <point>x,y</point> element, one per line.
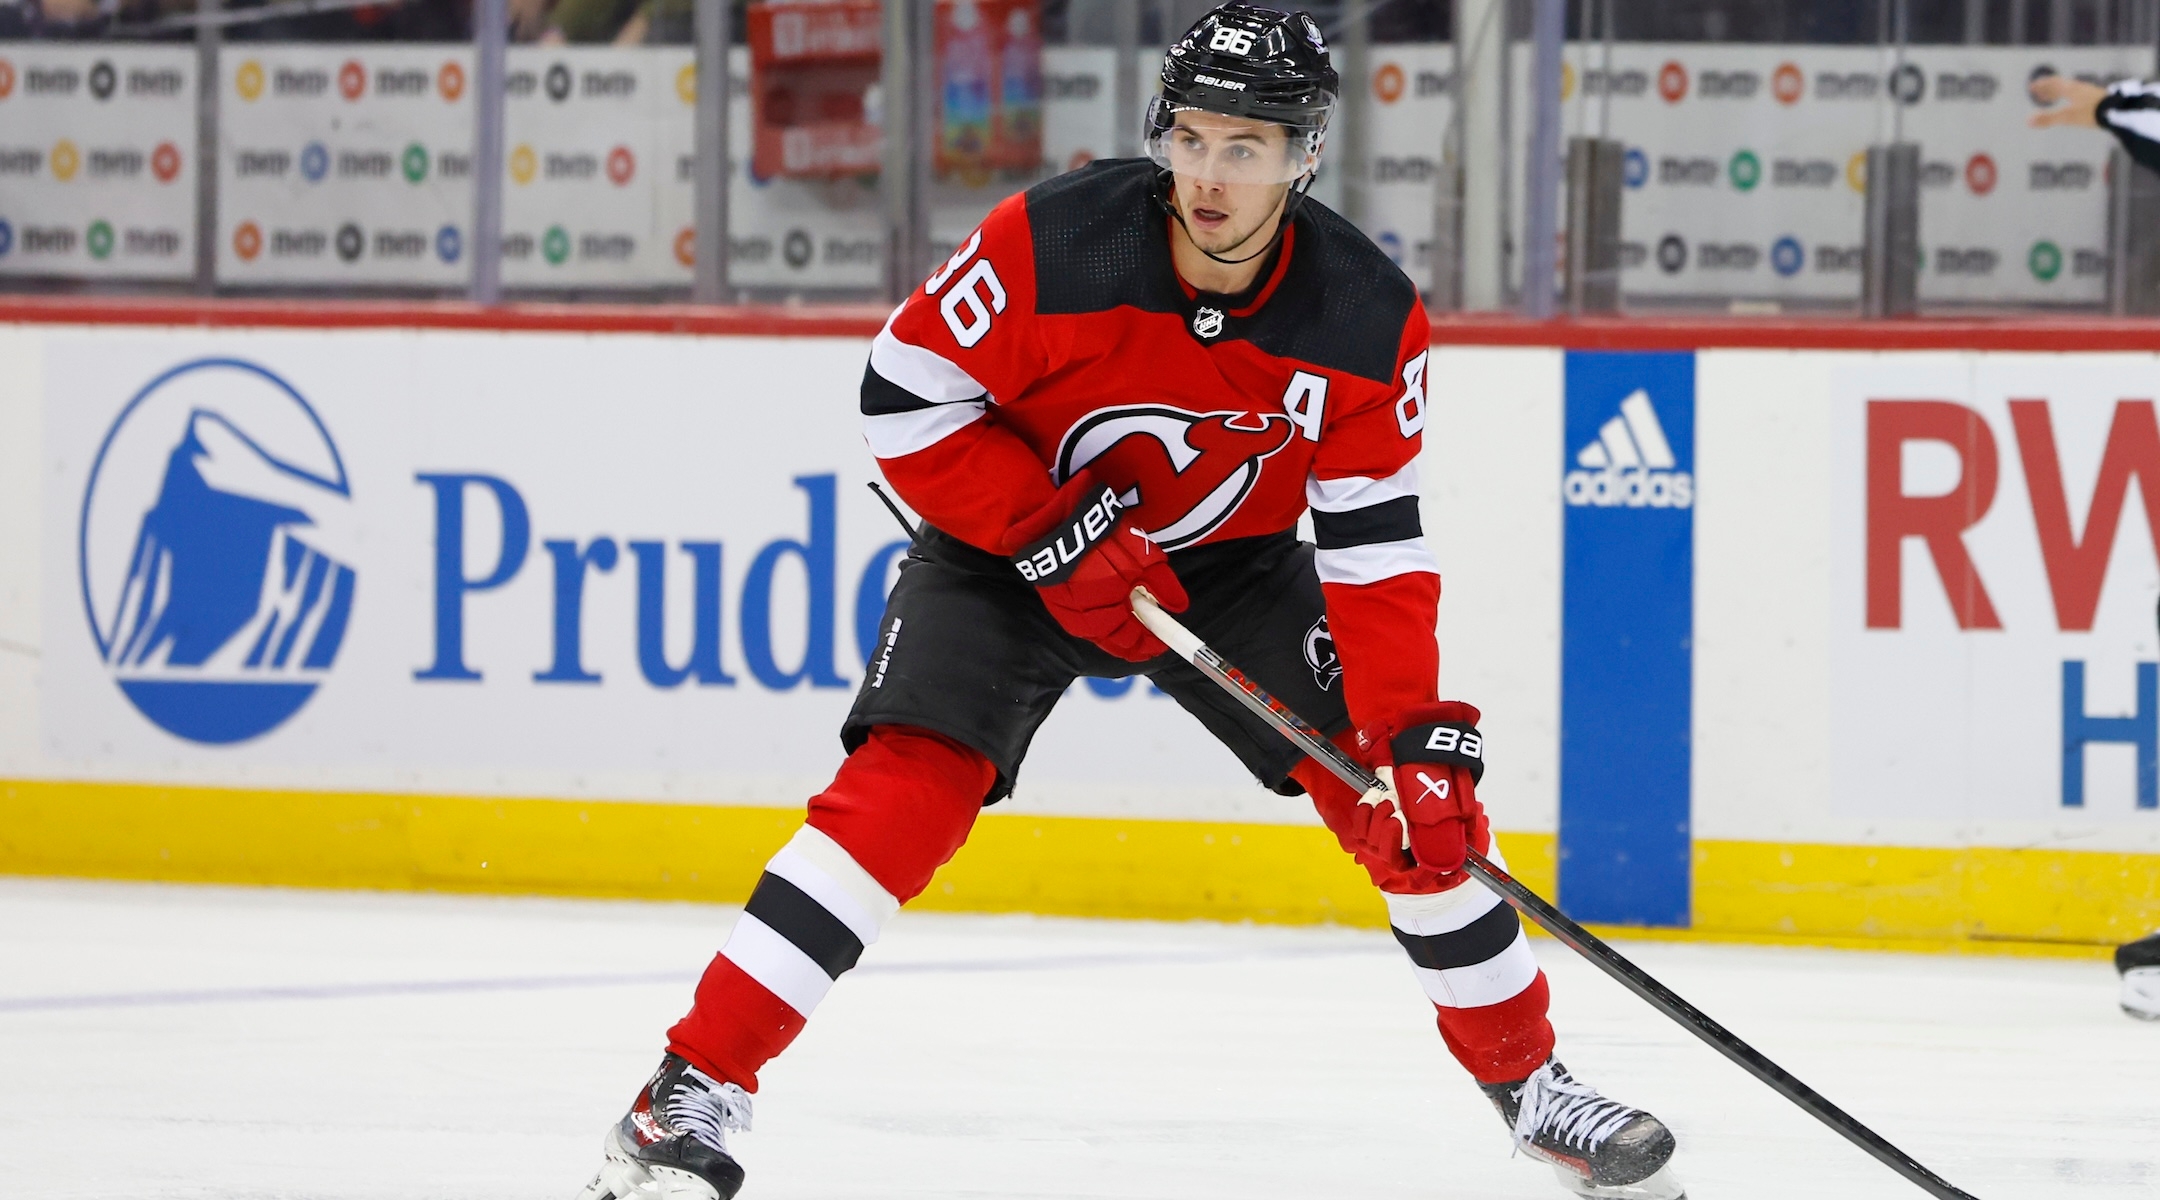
<point>1548,918</point>
<point>894,509</point>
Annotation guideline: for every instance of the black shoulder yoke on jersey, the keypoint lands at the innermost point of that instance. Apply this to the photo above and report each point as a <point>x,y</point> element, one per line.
<point>1102,242</point>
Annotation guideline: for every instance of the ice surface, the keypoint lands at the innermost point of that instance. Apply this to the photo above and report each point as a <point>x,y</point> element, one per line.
<point>167,1042</point>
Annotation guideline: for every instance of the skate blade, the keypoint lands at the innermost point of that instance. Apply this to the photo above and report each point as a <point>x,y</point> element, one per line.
<point>623,1177</point>
<point>1660,1185</point>
<point>2141,993</point>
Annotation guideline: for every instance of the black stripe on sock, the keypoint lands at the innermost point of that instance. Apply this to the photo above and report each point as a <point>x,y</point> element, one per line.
<point>1474,943</point>
<point>1388,521</point>
<point>806,923</point>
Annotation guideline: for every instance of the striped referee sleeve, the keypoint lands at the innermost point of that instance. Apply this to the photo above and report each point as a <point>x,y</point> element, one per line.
<point>1366,530</point>
<point>2131,111</point>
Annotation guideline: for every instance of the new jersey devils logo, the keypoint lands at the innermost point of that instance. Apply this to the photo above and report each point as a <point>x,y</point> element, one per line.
<point>1183,473</point>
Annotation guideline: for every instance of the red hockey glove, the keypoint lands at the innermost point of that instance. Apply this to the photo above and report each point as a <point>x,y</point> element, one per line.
<point>1431,758</point>
<point>1372,833</point>
<point>1084,556</point>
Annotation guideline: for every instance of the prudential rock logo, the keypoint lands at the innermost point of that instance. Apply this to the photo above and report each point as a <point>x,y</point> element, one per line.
<point>215,551</point>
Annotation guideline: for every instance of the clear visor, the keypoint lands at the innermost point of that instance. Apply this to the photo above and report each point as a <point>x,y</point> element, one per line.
<point>1219,148</point>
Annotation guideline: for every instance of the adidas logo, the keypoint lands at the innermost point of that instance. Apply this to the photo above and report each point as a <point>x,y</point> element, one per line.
<point>1630,465</point>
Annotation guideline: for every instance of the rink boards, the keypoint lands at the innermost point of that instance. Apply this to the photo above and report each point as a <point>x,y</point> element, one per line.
<point>1852,641</point>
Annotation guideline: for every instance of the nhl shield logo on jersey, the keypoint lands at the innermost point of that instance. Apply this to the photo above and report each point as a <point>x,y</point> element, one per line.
<point>1181,474</point>
<point>1207,323</point>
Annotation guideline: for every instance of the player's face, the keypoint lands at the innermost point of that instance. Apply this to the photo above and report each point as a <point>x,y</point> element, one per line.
<point>1229,174</point>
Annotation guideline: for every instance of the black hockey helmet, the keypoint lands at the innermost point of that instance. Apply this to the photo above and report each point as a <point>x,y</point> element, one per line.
<point>1242,60</point>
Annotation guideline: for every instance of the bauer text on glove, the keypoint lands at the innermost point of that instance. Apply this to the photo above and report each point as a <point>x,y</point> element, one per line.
<point>1430,758</point>
<point>1084,556</point>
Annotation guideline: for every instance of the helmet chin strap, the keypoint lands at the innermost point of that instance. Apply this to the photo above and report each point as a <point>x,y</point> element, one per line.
<point>1286,208</point>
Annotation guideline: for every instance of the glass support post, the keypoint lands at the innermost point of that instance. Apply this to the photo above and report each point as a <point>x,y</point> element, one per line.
<point>491,35</point>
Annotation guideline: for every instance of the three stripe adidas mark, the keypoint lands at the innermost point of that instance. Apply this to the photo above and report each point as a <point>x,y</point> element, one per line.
<point>1630,464</point>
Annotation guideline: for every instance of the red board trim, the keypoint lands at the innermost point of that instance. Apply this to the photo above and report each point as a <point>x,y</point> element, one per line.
<point>2088,334</point>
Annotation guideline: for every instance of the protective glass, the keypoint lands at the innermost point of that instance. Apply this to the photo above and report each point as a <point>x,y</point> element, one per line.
<point>1223,149</point>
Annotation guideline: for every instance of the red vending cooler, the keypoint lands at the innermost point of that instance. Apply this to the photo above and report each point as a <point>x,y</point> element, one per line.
<point>812,65</point>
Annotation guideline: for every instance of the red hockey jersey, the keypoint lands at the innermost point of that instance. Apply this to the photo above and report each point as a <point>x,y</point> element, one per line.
<point>1059,336</point>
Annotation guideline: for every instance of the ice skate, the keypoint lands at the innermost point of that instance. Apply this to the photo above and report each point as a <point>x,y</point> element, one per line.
<point>1598,1147</point>
<point>2139,963</point>
<point>672,1144</point>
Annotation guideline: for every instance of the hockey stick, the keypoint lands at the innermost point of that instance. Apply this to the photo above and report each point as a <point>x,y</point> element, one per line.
<point>1550,919</point>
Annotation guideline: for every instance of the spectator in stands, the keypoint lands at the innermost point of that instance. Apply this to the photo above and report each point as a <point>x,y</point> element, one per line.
<point>53,19</point>
<point>528,19</point>
<point>620,22</point>
<point>392,20</point>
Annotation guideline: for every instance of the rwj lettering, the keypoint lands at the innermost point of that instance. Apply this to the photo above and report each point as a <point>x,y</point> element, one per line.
<point>2076,563</point>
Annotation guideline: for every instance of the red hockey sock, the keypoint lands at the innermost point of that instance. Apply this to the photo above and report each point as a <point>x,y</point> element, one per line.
<point>1504,1042</point>
<point>1496,1043</point>
<point>903,804</point>
<point>899,808</point>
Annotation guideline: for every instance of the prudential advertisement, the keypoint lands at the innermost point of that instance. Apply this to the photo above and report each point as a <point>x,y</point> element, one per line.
<point>630,567</point>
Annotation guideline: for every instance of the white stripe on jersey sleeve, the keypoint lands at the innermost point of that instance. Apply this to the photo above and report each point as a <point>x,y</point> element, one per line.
<point>779,966</point>
<point>922,372</point>
<point>830,875</point>
<point>1359,491</point>
<point>892,435</point>
<point>1373,563</point>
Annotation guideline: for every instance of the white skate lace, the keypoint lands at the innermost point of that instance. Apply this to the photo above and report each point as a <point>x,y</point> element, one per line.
<point>707,1109</point>
<point>1573,1112</point>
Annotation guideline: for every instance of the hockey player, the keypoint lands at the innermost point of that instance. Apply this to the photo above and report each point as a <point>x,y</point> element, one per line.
<point>1143,373</point>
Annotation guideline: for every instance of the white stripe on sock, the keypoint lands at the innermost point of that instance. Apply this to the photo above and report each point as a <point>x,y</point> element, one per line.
<point>1424,916</point>
<point>1501,977</point>
<point>1444,912</point>
<point>777,964</point>
<point>833,859</point>
<point>843,888</point>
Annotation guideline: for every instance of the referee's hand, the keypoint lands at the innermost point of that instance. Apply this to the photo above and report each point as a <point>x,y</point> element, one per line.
<point>2076,101</point>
